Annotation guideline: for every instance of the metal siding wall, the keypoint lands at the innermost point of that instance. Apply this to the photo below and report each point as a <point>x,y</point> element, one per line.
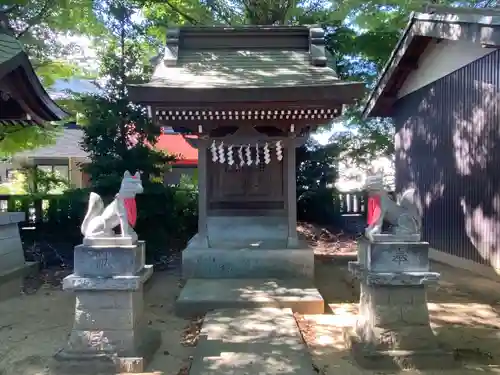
<point>452,155</point>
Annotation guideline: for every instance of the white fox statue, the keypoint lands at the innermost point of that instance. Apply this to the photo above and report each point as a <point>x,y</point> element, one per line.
<point>100,221</point>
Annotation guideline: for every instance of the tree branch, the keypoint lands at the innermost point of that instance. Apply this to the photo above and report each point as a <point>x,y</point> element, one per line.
<point>6,130</point>
<point>181,13</point>
<point>10,9</point>
<point>215,8</point>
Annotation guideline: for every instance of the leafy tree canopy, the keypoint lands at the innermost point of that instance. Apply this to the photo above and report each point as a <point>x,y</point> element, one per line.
<point>119,134</point>
<point>360,36</point>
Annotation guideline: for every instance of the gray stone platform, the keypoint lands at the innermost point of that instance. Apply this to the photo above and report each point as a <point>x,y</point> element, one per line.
<point>253,262</point>
<point>200,296</point>
<point>247,247</point>
<point>257,341</point>
<point>13,267</point>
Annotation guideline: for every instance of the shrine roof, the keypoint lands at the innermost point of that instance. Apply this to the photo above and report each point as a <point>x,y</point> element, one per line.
<point>240,68</point>
<point>220,60</point>
<point>21,92</point>
<point>9,49</point>
<point>176,145</point>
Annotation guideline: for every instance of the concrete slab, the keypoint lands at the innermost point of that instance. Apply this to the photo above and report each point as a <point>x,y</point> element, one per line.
<point>258,341</point>
<point>202,295</point>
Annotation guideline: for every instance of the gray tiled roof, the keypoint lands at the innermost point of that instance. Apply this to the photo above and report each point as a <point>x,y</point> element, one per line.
<point>9,47</point>
<point>67,145</point>
<point>244,68</point>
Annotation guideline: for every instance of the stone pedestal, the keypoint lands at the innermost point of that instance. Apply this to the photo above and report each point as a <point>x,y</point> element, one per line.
<point>109,333</point>
<point>13,267</point>
<point>393,329</point>
<point>256,247</point>
<point>247,262</point>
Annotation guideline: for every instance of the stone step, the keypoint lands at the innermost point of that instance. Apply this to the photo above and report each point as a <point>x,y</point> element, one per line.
<point>200,296</point>
<point>256,341</point>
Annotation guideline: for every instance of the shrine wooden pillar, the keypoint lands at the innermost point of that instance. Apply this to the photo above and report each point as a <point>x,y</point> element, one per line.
<point>291,191</point>
<point>202,191</point>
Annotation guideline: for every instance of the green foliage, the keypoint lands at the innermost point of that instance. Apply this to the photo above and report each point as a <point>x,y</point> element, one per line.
<point>316,173</point>
<point>51,70</point>
<point>166,219</point>
<point>118,134</point>
<point>38,24</point>
<point>17,138</point>
<point>33,181</point>
<point>364,140</point>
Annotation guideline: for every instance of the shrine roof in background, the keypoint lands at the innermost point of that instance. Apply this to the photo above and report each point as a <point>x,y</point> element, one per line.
<point>255,74</point>
<point>23,100</point>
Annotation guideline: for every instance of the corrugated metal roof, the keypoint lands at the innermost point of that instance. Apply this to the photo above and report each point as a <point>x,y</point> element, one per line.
<point>245,68</point>
<point>66,88</point>
<point>67,145</point>
<point>176,145</point>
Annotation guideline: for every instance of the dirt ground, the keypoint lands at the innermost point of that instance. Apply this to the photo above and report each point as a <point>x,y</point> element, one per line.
<point>464,308</point>
<point>35,325</point>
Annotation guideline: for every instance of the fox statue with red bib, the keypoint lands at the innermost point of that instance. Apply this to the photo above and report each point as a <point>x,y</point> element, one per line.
<point>403,215</point>
<point>100,221</point>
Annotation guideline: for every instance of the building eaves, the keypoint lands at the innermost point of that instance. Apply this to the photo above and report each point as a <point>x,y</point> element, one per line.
<point>480,26</point>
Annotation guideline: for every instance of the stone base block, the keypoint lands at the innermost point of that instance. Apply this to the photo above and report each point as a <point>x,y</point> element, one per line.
<point>392,278</point>
<point>369,357</point>
<point>11,282</point>
<point>385,237</point>
<point>394,256</point>
<point>115,283</point>
<point>247,263</point>
<point>200,296</point>
<point>115,241</point>
<point>99,261</point>
<point>117,352</point>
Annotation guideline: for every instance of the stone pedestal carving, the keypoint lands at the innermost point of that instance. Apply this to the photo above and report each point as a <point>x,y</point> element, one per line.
<point>392,328</point>
<point>13,267</point>
<point>109,333</point>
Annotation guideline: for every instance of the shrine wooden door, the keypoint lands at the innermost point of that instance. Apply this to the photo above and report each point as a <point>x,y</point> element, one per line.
<point>246,187</point>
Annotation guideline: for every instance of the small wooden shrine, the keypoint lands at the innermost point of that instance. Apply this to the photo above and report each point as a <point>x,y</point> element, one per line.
<point>251,95</point>
<point>23,100</point>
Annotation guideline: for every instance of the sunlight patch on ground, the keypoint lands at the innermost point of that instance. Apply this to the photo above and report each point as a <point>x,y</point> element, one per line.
<point>475,315</point>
